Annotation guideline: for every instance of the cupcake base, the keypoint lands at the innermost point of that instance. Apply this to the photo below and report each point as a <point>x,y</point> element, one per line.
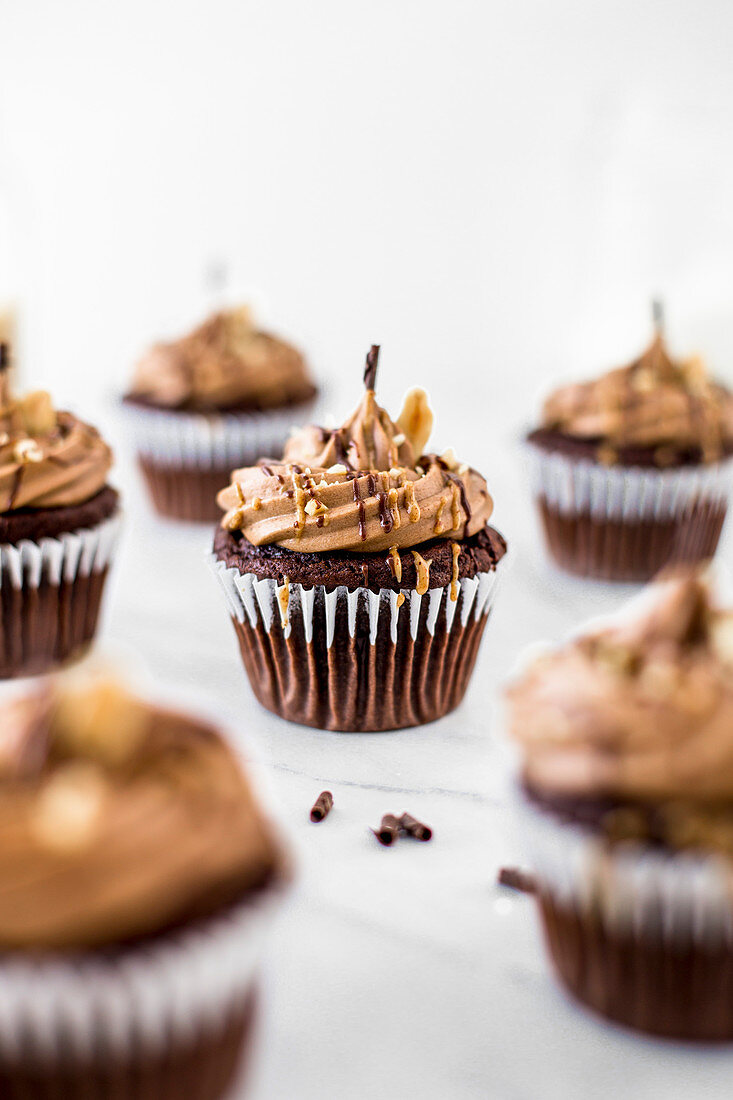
<point>204,1069</point>
<point>344,656</point>
<point>51,584</point>
<point>678,989</point>
<point>185,492</point>
<point>621,550</point>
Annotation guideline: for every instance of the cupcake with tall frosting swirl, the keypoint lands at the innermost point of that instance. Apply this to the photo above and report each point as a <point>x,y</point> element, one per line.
<point>633,470</point>
<point>58,525</point>
<point>221,396</point>
<point>138,875</point>
<point>626,745</point>
<point>360,570</point>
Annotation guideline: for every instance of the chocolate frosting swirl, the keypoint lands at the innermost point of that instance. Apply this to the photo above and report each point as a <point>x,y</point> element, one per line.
<point>48,459</point>
<point>363,487</point>
<point>225,363</point>
<point>655,401</point>
<point>118,821</point>
<point>639,710</point>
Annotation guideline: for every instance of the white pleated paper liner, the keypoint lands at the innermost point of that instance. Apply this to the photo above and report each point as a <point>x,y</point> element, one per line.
<point>262,599</point>
<point>160,995</point>
<point>630,494</point>
<point>631,887</point>
<point>212,440</point>
<point>26,564</point>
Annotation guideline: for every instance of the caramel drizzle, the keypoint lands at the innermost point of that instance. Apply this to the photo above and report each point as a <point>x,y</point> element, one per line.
<point>283,599</point>
<point>454,577</point>
<point>394,561</point>
<point>438,529</point>
<point>411,505</point>
<point>422,568</point>
<point>464,499</point>
<point>394,507</point>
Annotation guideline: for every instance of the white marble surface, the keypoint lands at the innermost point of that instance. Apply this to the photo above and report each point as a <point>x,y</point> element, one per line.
<point>399,972</point>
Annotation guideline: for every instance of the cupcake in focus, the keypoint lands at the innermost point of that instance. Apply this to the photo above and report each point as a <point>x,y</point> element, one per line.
<point>626,737</point>
<point>632,472</point>
<point>223,396</point>
<point>138,878</point>
<point>58,529</point>
<point>359,571</point>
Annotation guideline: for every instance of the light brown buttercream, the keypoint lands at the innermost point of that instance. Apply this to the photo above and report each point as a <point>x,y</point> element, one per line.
<point>225,362</point>
<point>652,402</point>
<point>359,488</point>
<point>48,459</point>
<point>117,820</point>
<point>642,710</point>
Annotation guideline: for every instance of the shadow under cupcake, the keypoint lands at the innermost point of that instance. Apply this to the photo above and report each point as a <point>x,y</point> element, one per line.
<point>633,472</point>
<point>359,571</point>
<point>220,397</point>
<point>138,880</point>
<point>58,531</point>
<point>626,803</point>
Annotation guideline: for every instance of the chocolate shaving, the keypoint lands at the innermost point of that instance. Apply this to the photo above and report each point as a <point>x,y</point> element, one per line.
<point>322,806</point>
<point>388,831</point>
<point>658,314</point>
<point>517,879</point>
<point>370,370</point>
<point>412,827</point>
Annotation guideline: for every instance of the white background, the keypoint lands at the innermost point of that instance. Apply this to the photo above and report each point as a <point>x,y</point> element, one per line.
<point>493,191</point>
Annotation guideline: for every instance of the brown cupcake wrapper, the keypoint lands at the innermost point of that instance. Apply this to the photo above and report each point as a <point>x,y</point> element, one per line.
<point>358,661</point>
<point>51,592</point>
<point>642,935</point>
<point>184,492</point>
<point>626,523</point>
<point>141,1018</point>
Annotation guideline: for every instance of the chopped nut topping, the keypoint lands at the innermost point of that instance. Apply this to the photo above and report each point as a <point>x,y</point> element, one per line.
<point>37,413</point>
<point>27,450</point>
<point>337,468</point>
<point>66,812</point>
<point>416,419</point>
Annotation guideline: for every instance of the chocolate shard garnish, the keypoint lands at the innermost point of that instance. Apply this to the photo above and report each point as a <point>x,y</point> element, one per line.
<point>658,314</point>
<point>412,827</point>
<point>322,806</point>
<point>370,370</point>
<point>517,879</point>
<point>4,356</point>
<point>388,831</point>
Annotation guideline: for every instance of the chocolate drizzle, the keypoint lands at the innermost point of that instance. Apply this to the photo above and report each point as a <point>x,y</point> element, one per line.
<point>385,515</point>
<point>462,490</point>
<point>362,521</point>
<point>370,370</point>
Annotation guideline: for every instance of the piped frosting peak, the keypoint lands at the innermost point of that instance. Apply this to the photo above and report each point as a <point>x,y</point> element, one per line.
<point>364,486</point>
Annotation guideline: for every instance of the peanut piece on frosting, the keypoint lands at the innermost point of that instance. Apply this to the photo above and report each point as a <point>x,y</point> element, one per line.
<point>37,413</point>
<point>416,419</point>
<point>68,807</point>
<point>27,450</point>
<point>102,723</point>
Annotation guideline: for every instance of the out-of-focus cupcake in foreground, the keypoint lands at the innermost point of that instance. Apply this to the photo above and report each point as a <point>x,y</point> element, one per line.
<point>360,571</point>
<point>626,735</point>
<point>225,395</point>
<point>137,879</point>
<point>59,522</point>
<point>632,472</point>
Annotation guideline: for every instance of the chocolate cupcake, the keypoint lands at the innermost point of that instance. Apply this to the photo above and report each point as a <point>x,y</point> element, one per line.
<point>58,530</point>
<point>359,571</point>
<point>223,396</point>
<point>633,472</point>
<point>137,880</point>
<point>627,801</point>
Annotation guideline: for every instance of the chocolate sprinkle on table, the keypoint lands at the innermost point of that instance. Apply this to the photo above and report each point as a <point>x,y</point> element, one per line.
<point>412,827</point>
<point>322,806</point>
<point>388,830</point>
<point>516,879</point>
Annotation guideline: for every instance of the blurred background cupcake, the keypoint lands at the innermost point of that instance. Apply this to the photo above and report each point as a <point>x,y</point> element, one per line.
<point>138,880</point>
<point>58,530</point>
<point>633,471</point>
<point>223,396</point>
<point>626,736</point>
<point>360,571</point>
